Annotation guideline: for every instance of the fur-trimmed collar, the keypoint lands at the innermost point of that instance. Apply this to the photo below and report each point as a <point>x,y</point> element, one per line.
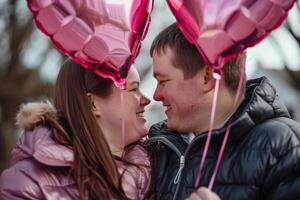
<point>36,141</point>
<point>34,113</point>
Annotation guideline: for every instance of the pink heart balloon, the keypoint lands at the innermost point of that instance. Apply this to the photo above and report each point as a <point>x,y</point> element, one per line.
<point>222,29</point>
<point>102,35</point>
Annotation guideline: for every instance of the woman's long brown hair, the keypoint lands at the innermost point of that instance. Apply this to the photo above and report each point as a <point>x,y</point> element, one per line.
<point>94,168</point>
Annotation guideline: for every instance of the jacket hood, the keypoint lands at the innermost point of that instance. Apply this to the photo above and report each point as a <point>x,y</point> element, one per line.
<point>36,141</point>
<point>261,103</point>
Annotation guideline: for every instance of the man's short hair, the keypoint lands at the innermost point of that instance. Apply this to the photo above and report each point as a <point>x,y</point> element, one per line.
<point>187,58</point>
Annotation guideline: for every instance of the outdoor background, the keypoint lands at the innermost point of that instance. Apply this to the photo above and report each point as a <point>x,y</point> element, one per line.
<point>29,65</point>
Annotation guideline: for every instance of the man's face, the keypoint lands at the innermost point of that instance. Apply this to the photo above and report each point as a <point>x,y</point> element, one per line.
<point>183,99</point>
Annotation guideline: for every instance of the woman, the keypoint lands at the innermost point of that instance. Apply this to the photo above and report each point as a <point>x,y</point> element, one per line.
<point>69,153</point>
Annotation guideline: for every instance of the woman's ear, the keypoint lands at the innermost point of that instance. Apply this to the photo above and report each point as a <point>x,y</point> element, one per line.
<point>208,79</point>
<point>95,109</point>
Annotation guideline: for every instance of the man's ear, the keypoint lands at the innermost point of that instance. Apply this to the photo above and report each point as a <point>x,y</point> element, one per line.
<point>208,79</point>
<point>95,110</point>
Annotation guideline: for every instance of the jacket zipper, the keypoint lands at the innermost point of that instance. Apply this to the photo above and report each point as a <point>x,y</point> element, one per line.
<point>184,156</point>
<point>174,148</point>
<point>167,142</point>
<point>177,179</point>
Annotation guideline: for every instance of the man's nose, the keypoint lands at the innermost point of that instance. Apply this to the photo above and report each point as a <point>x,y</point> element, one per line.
<point>157,96</point>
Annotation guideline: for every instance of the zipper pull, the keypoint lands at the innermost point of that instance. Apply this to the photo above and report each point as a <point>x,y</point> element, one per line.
<point>181,166</point>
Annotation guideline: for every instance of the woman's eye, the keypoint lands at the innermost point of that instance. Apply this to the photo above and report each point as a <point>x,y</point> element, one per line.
<point>134,89</point>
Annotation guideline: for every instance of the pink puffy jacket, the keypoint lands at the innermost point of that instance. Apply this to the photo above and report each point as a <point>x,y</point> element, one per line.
<point>40,166</point>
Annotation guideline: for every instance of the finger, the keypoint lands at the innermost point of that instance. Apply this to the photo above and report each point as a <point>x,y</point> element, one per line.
<point>194,196</point>
<point>215,196</point>
<point>206,194</point>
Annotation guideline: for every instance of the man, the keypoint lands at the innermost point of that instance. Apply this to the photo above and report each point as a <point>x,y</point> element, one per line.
<point>262,155</point>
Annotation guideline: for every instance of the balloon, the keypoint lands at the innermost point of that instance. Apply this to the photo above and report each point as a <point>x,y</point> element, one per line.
<point>102,35</point>
<point>222,29</point>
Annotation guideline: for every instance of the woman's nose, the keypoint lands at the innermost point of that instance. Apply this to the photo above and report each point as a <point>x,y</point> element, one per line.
<point>144,101</point>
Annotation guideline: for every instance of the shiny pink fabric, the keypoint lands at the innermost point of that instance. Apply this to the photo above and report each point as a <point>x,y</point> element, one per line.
<point>223,29</point>
<point>40,170</point>
<point>135,181</point>
<point>102,35</point>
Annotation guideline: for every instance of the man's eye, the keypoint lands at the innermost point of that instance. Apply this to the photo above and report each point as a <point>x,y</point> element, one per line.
<point>163,81</point>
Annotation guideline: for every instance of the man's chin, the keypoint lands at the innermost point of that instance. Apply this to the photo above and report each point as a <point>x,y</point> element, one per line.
<point>172,125</point>
<point>176,126</point>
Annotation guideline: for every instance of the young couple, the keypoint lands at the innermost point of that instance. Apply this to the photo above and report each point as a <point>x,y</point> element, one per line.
<point>74,150</point>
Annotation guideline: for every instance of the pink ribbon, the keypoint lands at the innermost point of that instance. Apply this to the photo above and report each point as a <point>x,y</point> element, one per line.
<point>211,125</point>
<point>217,77</point>
<point>123,87</point>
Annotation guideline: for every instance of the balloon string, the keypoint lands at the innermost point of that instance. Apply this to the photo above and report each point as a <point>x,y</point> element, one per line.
<point>211,125</point>
<point>123,120</point>
<point>212,180</point>
<point>238,92</point>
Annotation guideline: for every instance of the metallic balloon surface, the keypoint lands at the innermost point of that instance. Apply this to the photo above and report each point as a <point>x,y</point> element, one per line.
<point>222,29</point>
<point>102,35</point>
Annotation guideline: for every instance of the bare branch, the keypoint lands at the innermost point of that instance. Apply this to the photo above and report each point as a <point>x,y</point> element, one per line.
<point>18,38</point>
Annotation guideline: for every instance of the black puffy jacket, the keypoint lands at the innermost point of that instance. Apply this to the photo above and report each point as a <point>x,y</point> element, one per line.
<point>261,159</point>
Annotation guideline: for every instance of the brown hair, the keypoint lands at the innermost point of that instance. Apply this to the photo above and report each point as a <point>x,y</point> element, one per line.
<point>188,59</point>
<point>94,168</point>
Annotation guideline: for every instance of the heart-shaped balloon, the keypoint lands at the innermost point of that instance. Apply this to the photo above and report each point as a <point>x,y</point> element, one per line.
<point>102,35</point>
<point>222,29</point>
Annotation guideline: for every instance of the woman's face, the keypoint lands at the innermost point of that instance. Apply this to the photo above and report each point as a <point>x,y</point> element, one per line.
<point>109,112</point>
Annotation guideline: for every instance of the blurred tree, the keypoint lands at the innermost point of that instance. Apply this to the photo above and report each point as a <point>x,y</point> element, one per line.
<point>18,81</point>
<point>294,75</point>
<point>292,32</point>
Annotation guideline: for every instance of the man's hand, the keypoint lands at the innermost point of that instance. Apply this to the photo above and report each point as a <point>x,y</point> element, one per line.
<point>203,194</point>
